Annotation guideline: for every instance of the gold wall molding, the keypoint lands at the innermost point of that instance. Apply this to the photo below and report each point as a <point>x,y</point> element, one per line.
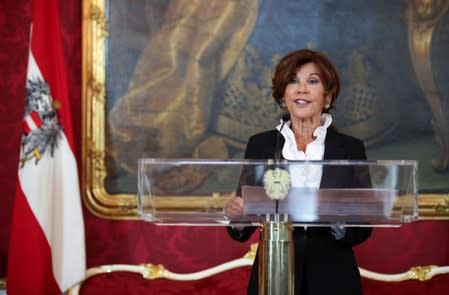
<point>433,206</point>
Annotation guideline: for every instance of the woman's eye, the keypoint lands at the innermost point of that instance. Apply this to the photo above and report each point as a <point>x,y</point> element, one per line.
<point>294,81</point>
<point>314,81</point>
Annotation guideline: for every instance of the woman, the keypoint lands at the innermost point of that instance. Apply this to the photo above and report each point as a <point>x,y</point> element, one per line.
<point>306,84</point>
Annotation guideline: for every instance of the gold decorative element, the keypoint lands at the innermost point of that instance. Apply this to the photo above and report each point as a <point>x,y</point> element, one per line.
<point>98,160</point>
<point>152,271</point>
<point>251,254</point>
<point>217,201</point>
<point>2,283</point>
<point>97,15</point>
<point>95,197</point>
<point>421,273</point>
<point>56,104</point>
<point>433,207</point>
<point>443,206</point>
<point>97,90</point>
<point>35,155</point>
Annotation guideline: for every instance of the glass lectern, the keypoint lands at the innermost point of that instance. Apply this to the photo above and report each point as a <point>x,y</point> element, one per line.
<point>278,196</point>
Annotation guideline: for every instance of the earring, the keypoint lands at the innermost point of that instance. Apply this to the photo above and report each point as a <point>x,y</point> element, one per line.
<point>283,105</point>
<point>327,104</point>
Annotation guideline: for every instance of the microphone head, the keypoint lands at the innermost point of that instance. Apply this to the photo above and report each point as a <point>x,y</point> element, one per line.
<point>285,117</point>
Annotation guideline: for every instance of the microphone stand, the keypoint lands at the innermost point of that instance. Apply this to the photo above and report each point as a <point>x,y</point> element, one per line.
<point>276,263</point>
<point>277,152</point>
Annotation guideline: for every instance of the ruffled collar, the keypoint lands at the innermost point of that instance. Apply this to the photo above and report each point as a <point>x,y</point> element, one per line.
<point>314,150</point>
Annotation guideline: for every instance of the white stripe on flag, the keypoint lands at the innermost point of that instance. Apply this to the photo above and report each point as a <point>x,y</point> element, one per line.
<point>30,123</point>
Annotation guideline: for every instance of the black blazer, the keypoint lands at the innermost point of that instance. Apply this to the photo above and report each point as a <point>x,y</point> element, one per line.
<point>323,265</point>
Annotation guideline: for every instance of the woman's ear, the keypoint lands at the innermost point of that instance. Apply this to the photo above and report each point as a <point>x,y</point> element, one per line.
<point>282,104</point>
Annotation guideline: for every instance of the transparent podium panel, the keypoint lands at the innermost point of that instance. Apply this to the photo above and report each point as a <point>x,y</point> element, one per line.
<point>313,193</point>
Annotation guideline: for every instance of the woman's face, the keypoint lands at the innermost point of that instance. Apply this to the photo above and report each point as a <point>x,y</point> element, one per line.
<point>305,95</point>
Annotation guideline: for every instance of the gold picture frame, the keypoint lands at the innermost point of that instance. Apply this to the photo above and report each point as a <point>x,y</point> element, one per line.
<point>104,204</point>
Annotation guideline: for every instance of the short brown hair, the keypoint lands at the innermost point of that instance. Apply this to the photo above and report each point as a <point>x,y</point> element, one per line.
<point>286,70</point>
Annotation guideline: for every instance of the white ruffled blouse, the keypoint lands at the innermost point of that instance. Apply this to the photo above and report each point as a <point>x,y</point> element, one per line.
<point>309,175</point>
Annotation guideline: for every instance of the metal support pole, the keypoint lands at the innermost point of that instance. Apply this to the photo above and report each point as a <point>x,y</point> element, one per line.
<point>276,258</point>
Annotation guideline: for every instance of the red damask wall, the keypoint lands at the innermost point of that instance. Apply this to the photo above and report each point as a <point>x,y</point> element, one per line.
<point>14,34</point>
<point>180,249</point>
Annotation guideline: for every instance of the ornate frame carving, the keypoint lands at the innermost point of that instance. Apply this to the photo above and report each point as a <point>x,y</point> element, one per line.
<point>123,206</point>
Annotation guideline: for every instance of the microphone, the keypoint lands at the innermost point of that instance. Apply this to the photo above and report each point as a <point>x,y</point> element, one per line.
<point>277,152</point>
<point>280,194</point>
<point>285,118</point>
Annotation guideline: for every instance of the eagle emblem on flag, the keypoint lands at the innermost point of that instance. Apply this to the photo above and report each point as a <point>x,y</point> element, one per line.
<point>41,129</point>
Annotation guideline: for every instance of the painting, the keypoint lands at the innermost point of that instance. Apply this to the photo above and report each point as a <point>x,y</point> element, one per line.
<point>192,79</point>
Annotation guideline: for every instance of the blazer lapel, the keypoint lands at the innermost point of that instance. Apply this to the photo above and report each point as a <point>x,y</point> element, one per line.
<point>333,146</point>
<point>333,150</point>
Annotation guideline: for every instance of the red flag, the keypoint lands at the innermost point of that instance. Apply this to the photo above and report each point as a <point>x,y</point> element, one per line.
<point>47,249</point>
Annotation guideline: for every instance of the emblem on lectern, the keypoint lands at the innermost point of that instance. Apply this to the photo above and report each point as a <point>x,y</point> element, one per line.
<point>276,183</point>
